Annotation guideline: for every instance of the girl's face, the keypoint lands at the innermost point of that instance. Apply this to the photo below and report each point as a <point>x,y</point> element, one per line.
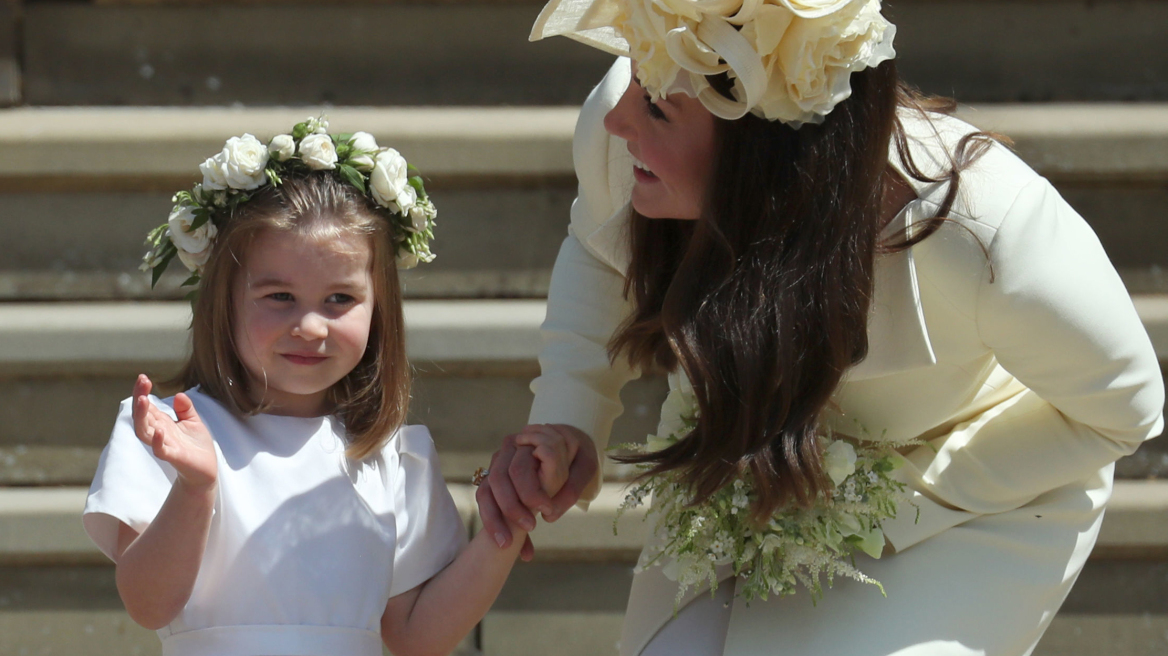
<point>303,308</point>
<point>673,141</point>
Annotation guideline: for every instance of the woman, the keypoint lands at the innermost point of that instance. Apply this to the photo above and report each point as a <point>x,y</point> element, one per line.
<point>813,247</point>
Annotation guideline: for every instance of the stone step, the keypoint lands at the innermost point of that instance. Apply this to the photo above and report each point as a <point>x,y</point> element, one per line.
<point>41,526</point>
<point>59,594</point>
<point>477,53</point>
<point>79,187</point>
<point>474,362</point>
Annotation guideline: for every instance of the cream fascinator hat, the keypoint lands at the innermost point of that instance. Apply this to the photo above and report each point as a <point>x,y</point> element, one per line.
<point>789,60</point>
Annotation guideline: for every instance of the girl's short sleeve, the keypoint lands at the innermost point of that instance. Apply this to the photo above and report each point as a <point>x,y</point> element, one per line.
<point>430,531</point>
<point>130,485</point>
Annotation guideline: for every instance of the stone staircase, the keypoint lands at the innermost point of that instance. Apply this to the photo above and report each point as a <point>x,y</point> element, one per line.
<point>113,102</point>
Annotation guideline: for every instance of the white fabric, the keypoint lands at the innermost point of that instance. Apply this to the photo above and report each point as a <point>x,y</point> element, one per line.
<point>1006,340</point>
<point>306,546</point>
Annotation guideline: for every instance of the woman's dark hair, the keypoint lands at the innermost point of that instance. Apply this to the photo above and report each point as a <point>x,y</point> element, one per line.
<point>763,302</point>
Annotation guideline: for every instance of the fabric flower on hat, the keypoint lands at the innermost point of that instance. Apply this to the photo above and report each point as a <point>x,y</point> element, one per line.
<point>788,60</point>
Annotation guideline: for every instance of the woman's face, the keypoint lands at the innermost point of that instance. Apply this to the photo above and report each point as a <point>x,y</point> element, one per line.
<point>673,143</point>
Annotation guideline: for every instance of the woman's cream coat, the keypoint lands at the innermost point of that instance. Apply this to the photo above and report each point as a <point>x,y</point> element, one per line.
<point>1006,339</point>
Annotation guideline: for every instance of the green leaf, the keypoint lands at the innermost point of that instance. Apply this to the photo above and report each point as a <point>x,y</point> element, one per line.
<point>344,137</point>
<point>168,254</point>
<point>273,177</point>
<point>191,297</point>
<point>193,280</point>
<point>343,150</point>
<point>416,183</point>
<point>352,176</point>
<point>412,169</point>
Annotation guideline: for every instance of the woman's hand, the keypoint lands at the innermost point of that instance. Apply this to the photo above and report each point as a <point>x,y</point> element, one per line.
<point>514,491</point>
<point>185,444</point>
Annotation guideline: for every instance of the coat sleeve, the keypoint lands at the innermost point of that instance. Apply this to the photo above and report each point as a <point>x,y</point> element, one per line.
<point>1057,317</point>
<point>578,384</point>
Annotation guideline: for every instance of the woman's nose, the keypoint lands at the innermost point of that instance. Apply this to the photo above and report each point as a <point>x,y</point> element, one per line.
<point>618,121</point>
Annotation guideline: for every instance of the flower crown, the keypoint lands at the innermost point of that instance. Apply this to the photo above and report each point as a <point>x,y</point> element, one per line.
<point>245,164</point>
<point>789,60</point>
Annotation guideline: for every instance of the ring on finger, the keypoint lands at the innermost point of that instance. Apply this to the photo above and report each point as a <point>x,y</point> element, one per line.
<point>479,476</point>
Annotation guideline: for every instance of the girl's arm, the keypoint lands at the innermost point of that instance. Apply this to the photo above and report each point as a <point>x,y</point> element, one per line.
<point>435,616</point>
<point>156,570</point>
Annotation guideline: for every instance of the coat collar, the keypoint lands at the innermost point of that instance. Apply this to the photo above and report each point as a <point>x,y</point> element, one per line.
<point>898,335</point>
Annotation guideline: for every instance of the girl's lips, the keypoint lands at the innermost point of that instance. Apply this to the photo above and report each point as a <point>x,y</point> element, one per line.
<point>304,359</point>
<point>643,176</point>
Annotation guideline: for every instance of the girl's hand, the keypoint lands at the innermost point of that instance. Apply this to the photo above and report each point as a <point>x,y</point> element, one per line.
<point>554,450</point>
<point>513,487</point>
<point>185,444</point>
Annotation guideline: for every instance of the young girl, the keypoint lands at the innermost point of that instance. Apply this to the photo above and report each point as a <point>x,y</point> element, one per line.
<point>278,506</point>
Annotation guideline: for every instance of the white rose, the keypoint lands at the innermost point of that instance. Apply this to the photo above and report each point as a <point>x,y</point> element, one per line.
<point>282,147</point>
<point>407,260</point>
<point>422,213</point>
<point>182,217</point>
<point>215,172</point>
<point>840,461</point>
<point>363,141</point>
<point>390,177</point>
<point>318,152</point>
<point>405,201</point>
<point>244,159</point>
<point>194,261</point>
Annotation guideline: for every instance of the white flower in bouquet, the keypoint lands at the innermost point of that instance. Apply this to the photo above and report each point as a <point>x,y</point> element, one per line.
<point>282,147</point>
<point>181,218</point>
<point>390,178</point>
<point>839,459</point>
<point>363,141</point>
<point>318,152</point>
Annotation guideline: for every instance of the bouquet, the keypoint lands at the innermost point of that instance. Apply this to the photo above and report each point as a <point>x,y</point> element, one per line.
<point>796,546</point>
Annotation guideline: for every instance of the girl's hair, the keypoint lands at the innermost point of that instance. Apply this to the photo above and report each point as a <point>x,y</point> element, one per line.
<point>371,401</point>
<point>763,302</point>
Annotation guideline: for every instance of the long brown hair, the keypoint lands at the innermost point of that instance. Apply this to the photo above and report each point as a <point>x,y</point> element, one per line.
<point>763,302</point>
<point>371,400</point>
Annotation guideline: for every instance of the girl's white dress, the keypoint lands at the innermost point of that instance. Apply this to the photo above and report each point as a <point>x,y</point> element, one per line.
<point>306,546</point>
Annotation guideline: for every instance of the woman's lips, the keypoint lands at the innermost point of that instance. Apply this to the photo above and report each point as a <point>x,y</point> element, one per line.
<point>641,175</point>
<point>304,359</point>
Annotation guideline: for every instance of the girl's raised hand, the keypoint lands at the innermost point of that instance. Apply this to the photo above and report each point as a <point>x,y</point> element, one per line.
<point>185,444</point>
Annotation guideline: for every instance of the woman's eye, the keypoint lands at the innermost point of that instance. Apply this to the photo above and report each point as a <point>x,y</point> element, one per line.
<point>653,110</point>
<point>343,299</point>
<point>280,296</point>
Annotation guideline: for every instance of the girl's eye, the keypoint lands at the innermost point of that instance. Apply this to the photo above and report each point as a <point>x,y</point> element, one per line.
<point>653,110</point>
<point>280,296</point>
<point>343,299</point>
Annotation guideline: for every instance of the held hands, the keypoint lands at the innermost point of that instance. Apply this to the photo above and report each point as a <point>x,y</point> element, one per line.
<point>544,468</point>
<point>185,444</point>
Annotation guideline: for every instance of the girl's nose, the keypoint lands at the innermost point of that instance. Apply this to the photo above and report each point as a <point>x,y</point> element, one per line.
<point>311,326</point>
